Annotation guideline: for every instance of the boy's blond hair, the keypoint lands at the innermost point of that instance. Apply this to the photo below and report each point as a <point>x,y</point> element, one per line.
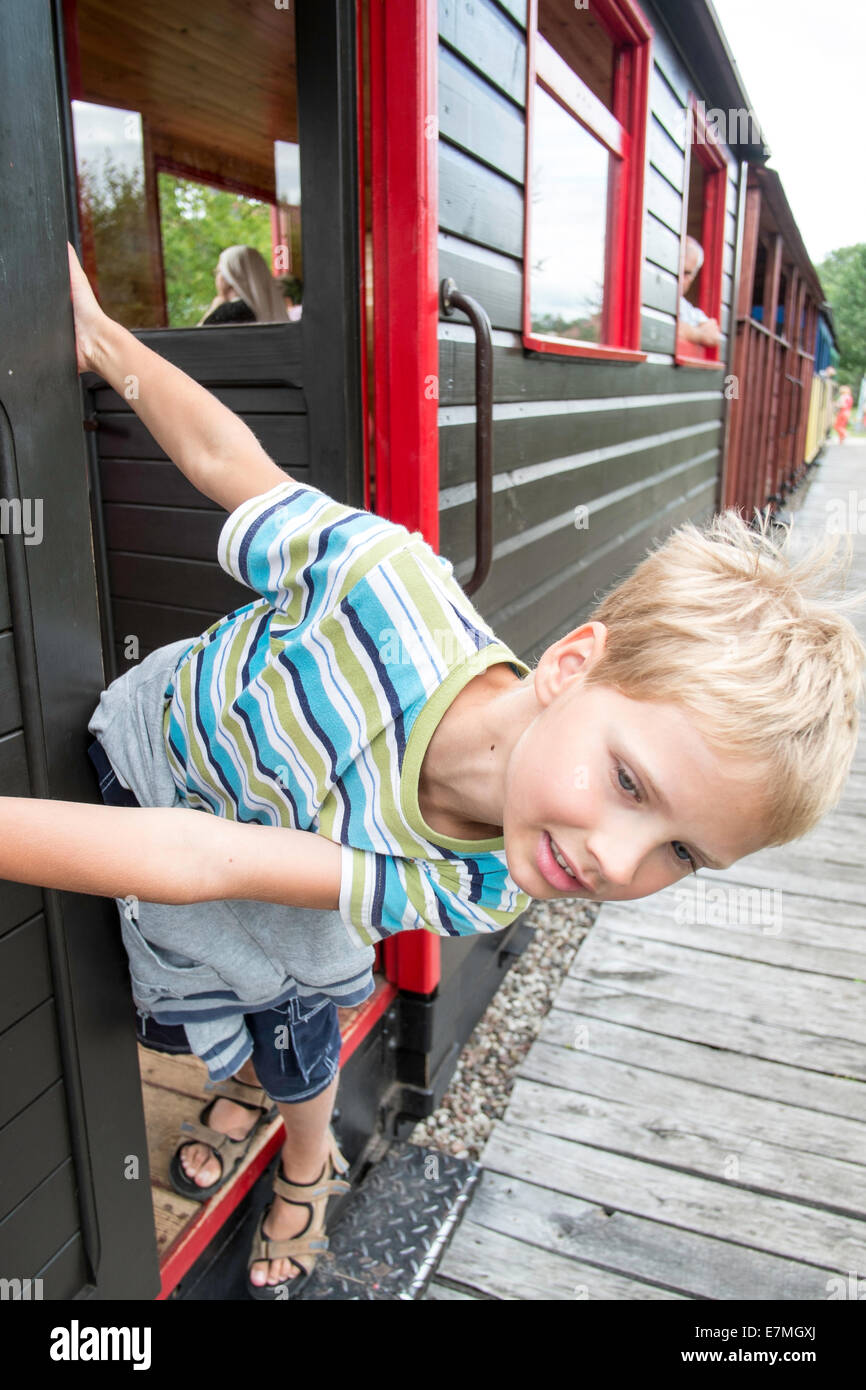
<point>727,623</point>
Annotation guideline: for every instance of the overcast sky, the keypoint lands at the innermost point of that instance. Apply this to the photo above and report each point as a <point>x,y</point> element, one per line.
<point>803,65</point>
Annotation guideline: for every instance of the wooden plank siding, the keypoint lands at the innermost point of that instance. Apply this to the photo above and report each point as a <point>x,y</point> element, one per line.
<point>160,532</point>
<point>39,1206</point>
<point>639,445</point>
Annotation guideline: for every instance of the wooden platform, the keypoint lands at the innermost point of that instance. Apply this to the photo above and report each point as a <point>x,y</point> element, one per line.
<point>691,1121</point>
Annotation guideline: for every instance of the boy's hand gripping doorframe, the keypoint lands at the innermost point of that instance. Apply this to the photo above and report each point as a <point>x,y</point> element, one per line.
<point>216,451</point>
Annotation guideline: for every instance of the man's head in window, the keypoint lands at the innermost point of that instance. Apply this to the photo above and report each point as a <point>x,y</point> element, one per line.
<point>692,262</point>
<point>694,324</point>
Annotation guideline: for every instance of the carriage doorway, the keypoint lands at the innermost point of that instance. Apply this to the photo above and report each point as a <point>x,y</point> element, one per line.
<point>189,130</point>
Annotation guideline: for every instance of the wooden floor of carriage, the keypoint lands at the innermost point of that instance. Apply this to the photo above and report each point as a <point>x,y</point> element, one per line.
<point>691,1121</point>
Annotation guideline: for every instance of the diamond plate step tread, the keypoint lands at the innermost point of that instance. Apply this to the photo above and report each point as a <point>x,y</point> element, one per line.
<point>394,1227</point>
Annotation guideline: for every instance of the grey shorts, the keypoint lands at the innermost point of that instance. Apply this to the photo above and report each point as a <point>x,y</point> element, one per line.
<point>296,1044</point>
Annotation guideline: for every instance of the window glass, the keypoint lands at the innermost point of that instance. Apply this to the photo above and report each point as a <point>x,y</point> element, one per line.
<point>287,252</point>
<point>113,210</point>
<point>570,173</point>
<point>186,144</point>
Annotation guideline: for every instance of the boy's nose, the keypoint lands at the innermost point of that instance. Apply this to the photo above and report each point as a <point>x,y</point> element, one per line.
<point>617,861</point>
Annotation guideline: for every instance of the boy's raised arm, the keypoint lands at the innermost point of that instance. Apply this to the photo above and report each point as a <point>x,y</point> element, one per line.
<point>214,449</point>
<point>164,854</point>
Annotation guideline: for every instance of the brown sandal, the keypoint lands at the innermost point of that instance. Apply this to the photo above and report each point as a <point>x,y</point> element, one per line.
<point>229,1152</point>
<point>309,1243</point>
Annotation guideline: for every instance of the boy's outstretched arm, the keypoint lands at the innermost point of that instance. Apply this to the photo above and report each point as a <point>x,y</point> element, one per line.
<point>218,453</point>
<point>164,854</point>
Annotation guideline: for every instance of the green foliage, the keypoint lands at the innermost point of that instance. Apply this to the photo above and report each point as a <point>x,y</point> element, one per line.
<point>843,275</point>
<point>198,222</point>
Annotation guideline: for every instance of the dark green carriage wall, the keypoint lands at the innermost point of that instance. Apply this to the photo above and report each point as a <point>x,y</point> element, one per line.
<point>639,444</point>
<point>164,581</point>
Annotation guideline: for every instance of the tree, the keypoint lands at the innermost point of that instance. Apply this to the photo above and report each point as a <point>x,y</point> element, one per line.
<point>843,275</point>
<point>198,222</point>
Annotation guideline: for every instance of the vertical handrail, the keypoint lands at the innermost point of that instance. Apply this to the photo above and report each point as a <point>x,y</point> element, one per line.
<point>450,298</point>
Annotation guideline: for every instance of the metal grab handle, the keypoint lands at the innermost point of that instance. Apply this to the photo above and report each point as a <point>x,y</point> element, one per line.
<point>450,298</point>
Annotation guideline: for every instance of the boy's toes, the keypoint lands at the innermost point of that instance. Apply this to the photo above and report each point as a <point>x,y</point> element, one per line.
<point>199,1164</point>
<point>191,1156</point>
<point>273,1272</point>
<point>259,1273</point>
<point>280,1271</point>
<point>208,1174</point>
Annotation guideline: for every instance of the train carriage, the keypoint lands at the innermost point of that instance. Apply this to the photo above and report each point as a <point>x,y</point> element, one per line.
<point>488,203</point>
<point>821,412</point>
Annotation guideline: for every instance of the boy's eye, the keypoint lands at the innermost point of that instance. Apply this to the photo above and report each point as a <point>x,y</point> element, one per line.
<point>684,859</point>
<point>621,773</point>
<point>632,789</point>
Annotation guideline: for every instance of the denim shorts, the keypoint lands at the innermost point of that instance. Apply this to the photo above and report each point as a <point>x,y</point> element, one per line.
<point>296,1045</point>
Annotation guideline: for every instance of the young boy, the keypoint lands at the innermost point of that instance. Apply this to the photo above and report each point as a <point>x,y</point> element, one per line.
<point>374,760</point>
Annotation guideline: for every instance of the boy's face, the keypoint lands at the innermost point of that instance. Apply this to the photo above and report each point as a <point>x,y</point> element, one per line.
<point>577,771</point>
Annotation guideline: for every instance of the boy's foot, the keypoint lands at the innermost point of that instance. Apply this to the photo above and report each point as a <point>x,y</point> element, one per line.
<point>284,1220</point>
<point>198,1160</point>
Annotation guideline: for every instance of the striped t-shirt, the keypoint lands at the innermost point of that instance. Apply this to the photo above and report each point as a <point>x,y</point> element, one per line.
<point>313,706</point>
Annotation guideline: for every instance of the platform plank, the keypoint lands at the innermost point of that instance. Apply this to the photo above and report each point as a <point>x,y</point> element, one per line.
<point>512,1269</point>
<point>839,954</point>
<point>686,1262</point>
<point>692,1203</point>
<point>834,1008</point>
<point>444,1293</point>
<point>715,1147</point>
<point>705,1061</point>
<point>749,1037</point>
<point>797,1127</point>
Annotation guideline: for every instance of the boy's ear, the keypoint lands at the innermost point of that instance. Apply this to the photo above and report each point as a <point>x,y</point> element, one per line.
<point>568,660</point>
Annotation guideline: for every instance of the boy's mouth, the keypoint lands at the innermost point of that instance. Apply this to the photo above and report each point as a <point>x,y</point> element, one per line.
<point>547,864</point>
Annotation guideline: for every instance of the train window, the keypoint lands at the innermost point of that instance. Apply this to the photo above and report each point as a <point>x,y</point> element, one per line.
<point>570,182</point>
<point>109,150</point>
<point>185,150</point>
<point>702,244</point>
<point>587,95</point>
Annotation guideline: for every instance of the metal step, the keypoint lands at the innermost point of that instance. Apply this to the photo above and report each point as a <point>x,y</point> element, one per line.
<point>387,1235</point>
<point>394,1227</point>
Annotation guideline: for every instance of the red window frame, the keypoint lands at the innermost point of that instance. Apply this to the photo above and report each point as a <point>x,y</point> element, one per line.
<point>623,133</point>
<point>703,142</point>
